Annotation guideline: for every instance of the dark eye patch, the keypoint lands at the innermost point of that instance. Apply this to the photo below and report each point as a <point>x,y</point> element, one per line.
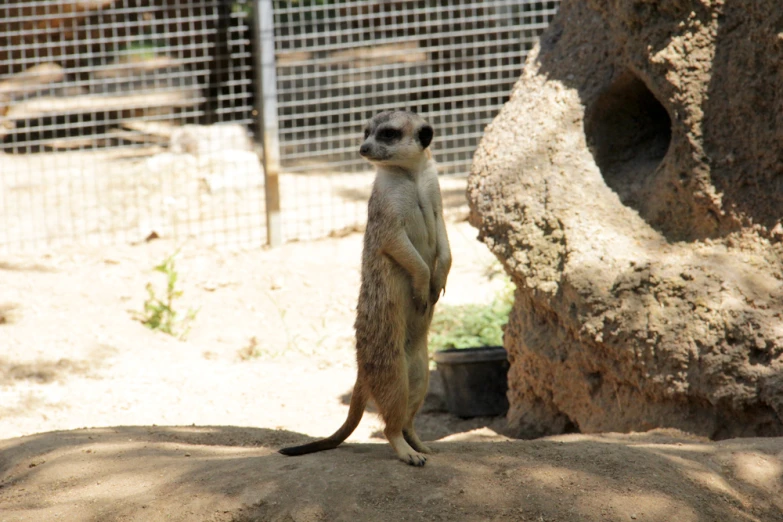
<point>389,134</point>
<point>366,133</point>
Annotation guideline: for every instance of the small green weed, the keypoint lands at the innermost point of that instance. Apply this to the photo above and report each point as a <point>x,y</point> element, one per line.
<point>159,314</point>
<point>467,326</point>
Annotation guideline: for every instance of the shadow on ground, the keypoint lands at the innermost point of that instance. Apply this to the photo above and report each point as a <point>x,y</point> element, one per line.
<point>225,473</point>
<point>45,371</point>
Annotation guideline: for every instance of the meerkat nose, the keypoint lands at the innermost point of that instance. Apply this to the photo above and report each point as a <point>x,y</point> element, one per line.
<point>364,149</point>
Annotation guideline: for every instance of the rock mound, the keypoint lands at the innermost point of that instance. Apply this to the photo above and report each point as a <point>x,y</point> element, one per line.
<point>633,188</point>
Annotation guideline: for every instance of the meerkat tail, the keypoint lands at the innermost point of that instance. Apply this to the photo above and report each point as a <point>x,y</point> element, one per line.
<point>355,413</point>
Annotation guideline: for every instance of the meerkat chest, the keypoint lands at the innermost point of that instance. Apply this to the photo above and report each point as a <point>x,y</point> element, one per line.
<point>421,226</point>
<point>412,202</point>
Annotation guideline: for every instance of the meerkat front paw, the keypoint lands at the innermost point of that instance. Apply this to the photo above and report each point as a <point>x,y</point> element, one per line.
<point>435,294</point>
<point>420,305</point>
<point>437,286</point>
<point>421,301</point>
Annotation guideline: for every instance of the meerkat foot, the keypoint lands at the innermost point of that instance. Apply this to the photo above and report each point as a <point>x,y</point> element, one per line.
<point>415,442</point>
<point>405,452</point>
<point>423,448</point>
<point>415,459</point>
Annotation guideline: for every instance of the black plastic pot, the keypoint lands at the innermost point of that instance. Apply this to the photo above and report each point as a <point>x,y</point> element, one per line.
<point>475,380</point>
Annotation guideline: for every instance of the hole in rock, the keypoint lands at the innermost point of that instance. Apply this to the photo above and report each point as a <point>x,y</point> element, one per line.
<point>628,132</point>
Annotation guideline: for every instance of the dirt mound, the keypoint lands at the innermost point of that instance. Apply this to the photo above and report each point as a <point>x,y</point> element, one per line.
<point>234,474</point>
<point>632,188</point>
<point>61,370</point>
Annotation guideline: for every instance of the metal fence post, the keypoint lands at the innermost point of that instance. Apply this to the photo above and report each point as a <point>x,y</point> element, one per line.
<point>266,105</point>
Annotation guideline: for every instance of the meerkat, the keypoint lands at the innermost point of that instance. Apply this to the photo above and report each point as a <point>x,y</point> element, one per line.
<point>406,260</point>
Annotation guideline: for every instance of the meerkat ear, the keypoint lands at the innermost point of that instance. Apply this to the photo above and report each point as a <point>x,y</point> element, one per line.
<point>425,136</point>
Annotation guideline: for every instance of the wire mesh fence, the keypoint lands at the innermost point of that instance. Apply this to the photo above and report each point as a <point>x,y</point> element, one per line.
<point>125,118</point>
<point>121,119</point>
<point>338,63</point>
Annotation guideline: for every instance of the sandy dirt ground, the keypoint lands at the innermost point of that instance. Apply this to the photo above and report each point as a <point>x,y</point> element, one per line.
<point>103,419</point>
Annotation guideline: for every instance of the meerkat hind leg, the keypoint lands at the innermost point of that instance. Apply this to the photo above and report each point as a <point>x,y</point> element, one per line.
<point>403,450</point>
<point>409,433</point>
<point>395,420</point>
<point>418,383</point>
<point>392,402</point>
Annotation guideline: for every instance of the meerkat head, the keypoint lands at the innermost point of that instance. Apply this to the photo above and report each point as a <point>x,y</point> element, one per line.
<point>396,139</point>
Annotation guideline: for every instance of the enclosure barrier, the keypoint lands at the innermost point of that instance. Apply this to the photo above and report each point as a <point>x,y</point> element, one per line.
<point>125,120</point>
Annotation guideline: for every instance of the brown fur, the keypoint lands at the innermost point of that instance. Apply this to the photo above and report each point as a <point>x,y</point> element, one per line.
<point>405,263</point>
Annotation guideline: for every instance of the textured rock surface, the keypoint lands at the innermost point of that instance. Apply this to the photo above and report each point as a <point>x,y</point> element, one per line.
<point>633,188</point>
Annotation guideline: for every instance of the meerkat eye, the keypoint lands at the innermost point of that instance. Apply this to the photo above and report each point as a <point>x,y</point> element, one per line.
<point>366,133</point>
<point>389,134</point>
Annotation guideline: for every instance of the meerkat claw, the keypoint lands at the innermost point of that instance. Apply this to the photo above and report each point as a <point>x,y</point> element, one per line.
<point>417,459</point>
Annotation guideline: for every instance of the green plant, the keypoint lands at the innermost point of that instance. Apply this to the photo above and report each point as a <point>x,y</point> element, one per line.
<point>159,314</point>
<point>467,326</point>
